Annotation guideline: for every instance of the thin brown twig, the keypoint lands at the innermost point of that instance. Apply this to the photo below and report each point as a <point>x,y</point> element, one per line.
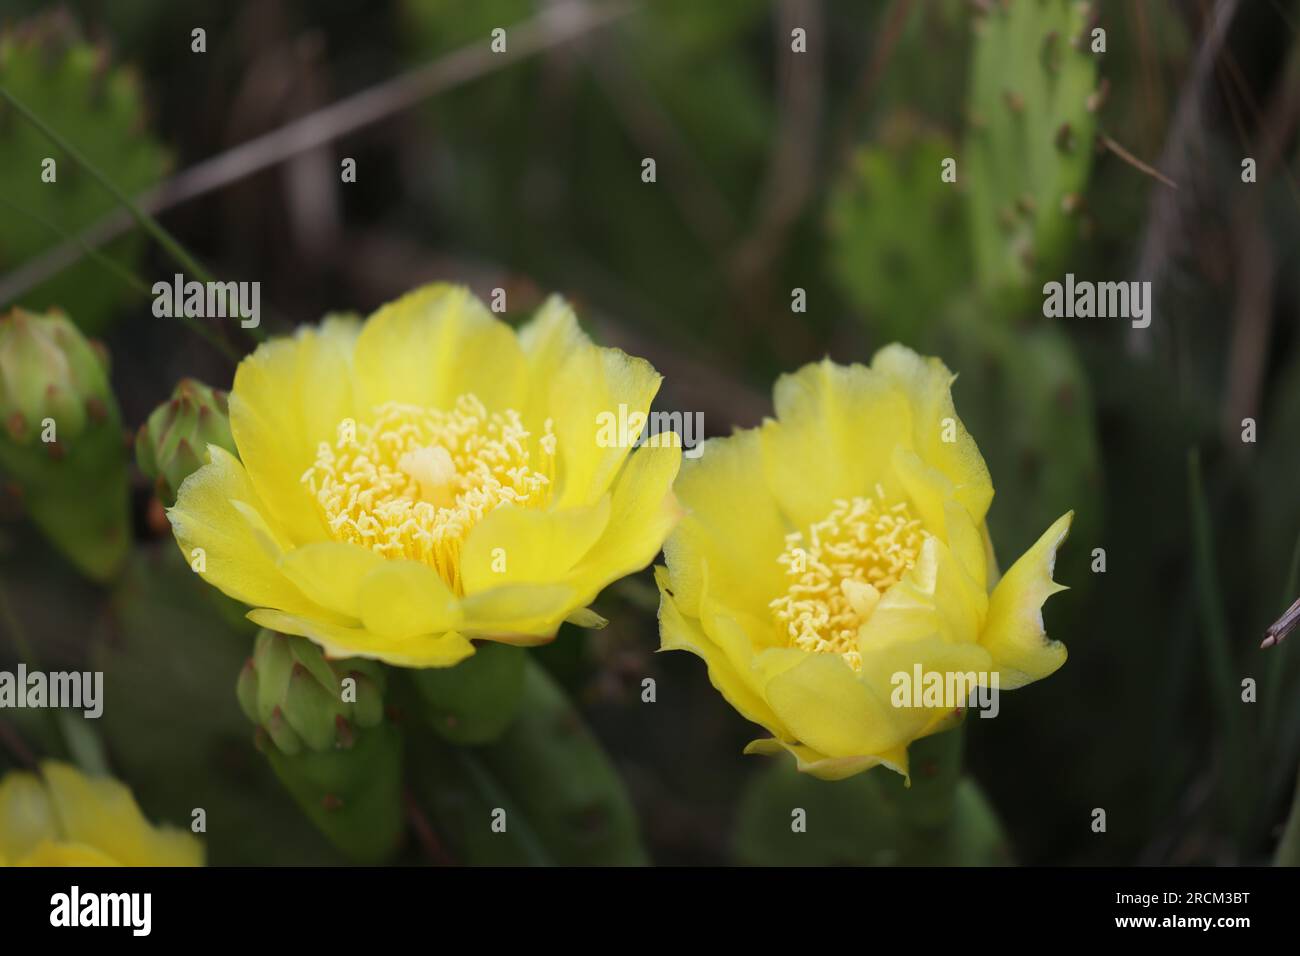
<point>1152,99</point>
<point>551,27</point>
<point>1133,161</point>
<point>1279,629</point>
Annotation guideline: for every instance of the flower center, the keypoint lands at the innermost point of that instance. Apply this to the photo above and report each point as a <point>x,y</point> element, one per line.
<point>838,571</point>
<point>415,481</point>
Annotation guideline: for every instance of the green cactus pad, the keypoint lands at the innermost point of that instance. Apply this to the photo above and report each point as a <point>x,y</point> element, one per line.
<point>897,233</point>
<point>563,801</point>
<point>354,796</point>
<point>1034,93</point>
<point>475,701</point>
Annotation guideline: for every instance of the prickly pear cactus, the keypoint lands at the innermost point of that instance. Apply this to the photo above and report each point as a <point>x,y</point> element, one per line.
<point>173,443</point>
<point>61,441</point>
<point>1034,94</point>
<point>897,233</point>
<point>354,796</point>
<point>322,726</point>
<point>74,88</point>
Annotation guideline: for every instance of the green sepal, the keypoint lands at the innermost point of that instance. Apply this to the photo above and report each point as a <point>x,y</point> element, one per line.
<point>312,710</point>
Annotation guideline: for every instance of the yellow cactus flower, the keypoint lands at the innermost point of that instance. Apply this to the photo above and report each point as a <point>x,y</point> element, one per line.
<point>828,556</point>
<point>64,818</point>
<point>428,477</point>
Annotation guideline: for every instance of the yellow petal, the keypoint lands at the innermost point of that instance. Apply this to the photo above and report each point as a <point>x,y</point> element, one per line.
<point>935,598</point>
<point>405,599</point>
<point>548,339</point>
<point>732,522</point>
<point>526,546</point>
<point>932,419</point>
<point>833,437</point>
<point>852,720</point>
<point>827,707</point>
<point>934,500</point>
<point>594,391</point>
<point>48,853</point>
<point>966,542</point>
<point>890,672</point>
<point>1014,634</point>
<point>740,636</point>
<point>522,614</point>
<point>677,632</point>
<point>330,573</point>
<point>809,761</point>
<point>432,346</point>
<point>423,650</point>
<point>643,510</point>
<point>26,815</point>
<point>289,396</point>
<point>235,556</point>
<point>101,813</point>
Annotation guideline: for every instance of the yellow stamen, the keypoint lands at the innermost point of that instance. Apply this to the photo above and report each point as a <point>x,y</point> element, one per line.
<point>413,482</point>
<point>851,557</point>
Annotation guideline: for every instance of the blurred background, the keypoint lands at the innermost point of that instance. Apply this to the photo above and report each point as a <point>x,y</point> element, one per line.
<point>777,170</point>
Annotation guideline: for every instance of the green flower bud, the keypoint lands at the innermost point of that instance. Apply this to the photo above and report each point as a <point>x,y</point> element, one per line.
<point>369,708</point>
<point>303,700</point>
<point>321,725</point>
<point>173,443</point>
<point>282,734</point>
<point>53,382</point>
<point>61,438</point>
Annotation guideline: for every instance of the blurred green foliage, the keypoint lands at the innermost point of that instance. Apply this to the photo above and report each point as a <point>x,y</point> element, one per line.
<point>99,108</point>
